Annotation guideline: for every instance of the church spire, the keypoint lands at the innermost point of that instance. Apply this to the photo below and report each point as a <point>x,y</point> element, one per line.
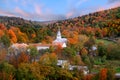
<point>59,34</point>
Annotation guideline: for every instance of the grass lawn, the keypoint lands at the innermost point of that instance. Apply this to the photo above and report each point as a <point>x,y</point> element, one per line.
<point>115,64</point>
<point>106,42</point>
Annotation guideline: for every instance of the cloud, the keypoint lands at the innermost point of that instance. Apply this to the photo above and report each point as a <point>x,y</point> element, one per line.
<point>32,16</point>
<point>29,9</point>
<point>6,13</point>
<point>52,17</point>
<point>69,14</point>
<point>21,12</point>
<point>114,5</point>
<point>112,1</point>
<point>75,8</point>
<point>38,9</point>
<point>73,13</point>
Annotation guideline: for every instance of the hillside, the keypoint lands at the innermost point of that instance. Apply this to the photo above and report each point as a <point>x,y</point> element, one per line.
<point>19,22</point>
<point>101,19</point>
<point>109,19</point>
<point>97,19</point>
<point>99,24</point>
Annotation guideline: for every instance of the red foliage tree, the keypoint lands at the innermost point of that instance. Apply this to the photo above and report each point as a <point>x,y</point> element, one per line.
<point>103,74</point>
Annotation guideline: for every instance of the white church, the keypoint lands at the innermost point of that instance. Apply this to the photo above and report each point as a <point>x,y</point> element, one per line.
<point>59,40</point>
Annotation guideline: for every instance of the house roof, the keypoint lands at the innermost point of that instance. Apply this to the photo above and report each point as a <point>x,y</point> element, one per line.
<point>39,44</point>
<point>19,45</point>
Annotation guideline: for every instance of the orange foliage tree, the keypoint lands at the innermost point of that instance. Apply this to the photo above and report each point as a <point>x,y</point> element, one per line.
<point>23,58</point>
<point>1,33</point>
<point>33,35</point>
<point>89,77</point>
<point>15,60</point>
<point>2,55</point>
<point>103,74</point>
<point>2,27</point>
<point>12,36</point>
<point>21,37</point>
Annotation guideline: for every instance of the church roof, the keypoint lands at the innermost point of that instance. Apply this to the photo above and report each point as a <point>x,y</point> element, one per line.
<point>60,44</point>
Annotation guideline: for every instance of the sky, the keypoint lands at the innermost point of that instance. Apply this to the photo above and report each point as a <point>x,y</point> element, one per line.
<point>46,10</point>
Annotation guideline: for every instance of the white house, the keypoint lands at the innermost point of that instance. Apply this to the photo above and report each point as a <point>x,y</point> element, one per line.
<point>84,68</point>
<point>65,64</point>
<point>41,46</point>
<point>62,63</point>
<point>17,48</point>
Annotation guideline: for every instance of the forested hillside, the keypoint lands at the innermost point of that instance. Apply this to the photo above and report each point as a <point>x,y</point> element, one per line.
<point>19,22</point>
<point>106,22</point>
<point>99,24</point>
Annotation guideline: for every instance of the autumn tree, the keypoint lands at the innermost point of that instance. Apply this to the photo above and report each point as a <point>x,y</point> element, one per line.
<point>103,74</point>
<point>33,52</point>
<point>12,36</point>
<point>5,40</point>
<point>1,33</point>
<point>23,58</point>
<point>23,72</point>
<point>78,74</point>
<point>76,60</point>
<point>102,50</point>
<point>48,59</point>
<point>58,50</point>
<point>21,37</point>
<point>7,71</point>
<point>89,44</point>
<point>113,51</point>
<point>68,52</point>
<point>2,55</point>
<point>104,32</point>
<point>2,27</point>
<point>89,77</point>
<point>34,71</point>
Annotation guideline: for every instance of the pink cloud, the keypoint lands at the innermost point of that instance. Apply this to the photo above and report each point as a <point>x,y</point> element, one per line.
<point>117,4</point>
<point>69,14</point>
<point>38,9</point>
<point>2,12</point>
<point>21,12</point>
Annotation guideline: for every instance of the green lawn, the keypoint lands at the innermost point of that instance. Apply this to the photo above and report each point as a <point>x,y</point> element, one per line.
<point>115,64</point>
<point>106,42</point>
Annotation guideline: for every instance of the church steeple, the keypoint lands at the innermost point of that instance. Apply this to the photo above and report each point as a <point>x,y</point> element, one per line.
<point>59,40</point>
<point>59,34</point>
